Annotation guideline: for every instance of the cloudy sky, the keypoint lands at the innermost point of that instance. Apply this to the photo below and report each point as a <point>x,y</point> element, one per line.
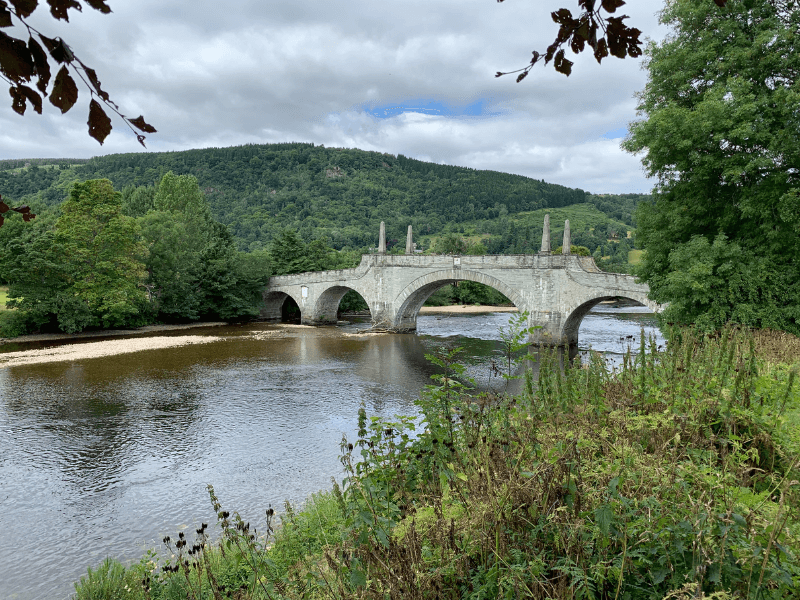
<point>406,77</point>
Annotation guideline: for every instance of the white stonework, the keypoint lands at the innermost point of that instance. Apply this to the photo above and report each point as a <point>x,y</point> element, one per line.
<point>556,290</point>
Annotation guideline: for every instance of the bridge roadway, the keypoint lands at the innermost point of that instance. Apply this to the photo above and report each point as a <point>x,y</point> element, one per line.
<point>556,290</point>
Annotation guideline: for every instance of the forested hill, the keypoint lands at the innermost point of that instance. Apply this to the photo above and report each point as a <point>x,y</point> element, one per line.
<point>342,194</point>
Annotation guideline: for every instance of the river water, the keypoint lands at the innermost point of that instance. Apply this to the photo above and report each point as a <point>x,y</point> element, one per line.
<point>105,456</point>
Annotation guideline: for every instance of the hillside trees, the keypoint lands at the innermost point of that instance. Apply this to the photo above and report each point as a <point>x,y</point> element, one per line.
<point>721,133</point>
<point>290,254</point>
<point>259,190</point>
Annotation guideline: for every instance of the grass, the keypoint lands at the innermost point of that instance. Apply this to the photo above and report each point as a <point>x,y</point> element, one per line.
<point>675,476</point>
<point>3,297</point>
<point>581,217</point>
<point>635,256</point>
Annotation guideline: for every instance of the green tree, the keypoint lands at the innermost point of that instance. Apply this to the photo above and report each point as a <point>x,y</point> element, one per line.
<point>721,133</point>
<point>288,254</point>
<point>194,270</point>
<point>173,265</point>
<point>573,249</point>
<point>181,193</point>
<point>136,201</point>
<point>86,270</point>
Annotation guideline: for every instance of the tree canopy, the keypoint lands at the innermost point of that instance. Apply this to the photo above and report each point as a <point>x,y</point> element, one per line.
<point>84,269</point>
<point>88,265</point>
<point>592,28</point>
<point>721,134</point>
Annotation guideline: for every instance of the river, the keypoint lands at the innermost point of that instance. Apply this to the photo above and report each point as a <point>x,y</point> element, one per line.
<point>105,456</point>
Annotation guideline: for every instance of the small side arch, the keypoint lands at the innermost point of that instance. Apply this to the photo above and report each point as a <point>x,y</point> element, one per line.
<point>409,302</point>
<point>573,321</point>
<point>326,307</point>
<point>272,309</point>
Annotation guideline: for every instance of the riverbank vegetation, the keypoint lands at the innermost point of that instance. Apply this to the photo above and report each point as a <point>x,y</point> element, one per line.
<point>718,132</point>
<point>102,261</point>
<point>676,476</point>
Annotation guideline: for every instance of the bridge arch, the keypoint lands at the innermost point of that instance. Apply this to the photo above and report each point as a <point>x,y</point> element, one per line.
<point>410,300</point>
<point>572,323</point>
<point>326,308</point>
<point>272,309</point>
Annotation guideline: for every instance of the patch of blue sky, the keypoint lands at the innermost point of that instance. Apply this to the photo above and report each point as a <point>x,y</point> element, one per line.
<point>615,134</point>
<point>479,108</point>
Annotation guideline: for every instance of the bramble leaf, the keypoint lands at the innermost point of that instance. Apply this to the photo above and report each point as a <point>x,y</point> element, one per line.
<point>603,517</point>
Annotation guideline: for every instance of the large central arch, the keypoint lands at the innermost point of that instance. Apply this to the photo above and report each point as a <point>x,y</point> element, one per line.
<point>411,299</point>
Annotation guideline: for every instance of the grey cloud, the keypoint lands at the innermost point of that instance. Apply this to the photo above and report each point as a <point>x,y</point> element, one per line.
<point>213,73</point>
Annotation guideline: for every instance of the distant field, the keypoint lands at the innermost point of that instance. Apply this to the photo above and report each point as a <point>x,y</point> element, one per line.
<point>581,217</point>
<point>635,256</point>
<point>3,297</point>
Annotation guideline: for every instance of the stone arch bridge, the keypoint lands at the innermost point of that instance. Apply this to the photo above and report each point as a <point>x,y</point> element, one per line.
<point>556,290</point>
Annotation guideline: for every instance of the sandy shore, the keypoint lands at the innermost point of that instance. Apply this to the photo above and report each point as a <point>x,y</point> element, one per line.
<point>99,349</point>
<point>63,337</point>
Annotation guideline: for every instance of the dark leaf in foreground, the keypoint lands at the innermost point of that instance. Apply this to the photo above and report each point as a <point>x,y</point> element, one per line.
<point>5,17</point>
<point>140,124</point>
<point>65,92</point>
<point>22,92</point>
<point>99,5</point>
<point>41,66</point>
<point>58,49</point>
<point>92,75</point>
<point>58,8</point>
<point>15,60</point>
<point>24,8</point>
<point>99,123</point>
